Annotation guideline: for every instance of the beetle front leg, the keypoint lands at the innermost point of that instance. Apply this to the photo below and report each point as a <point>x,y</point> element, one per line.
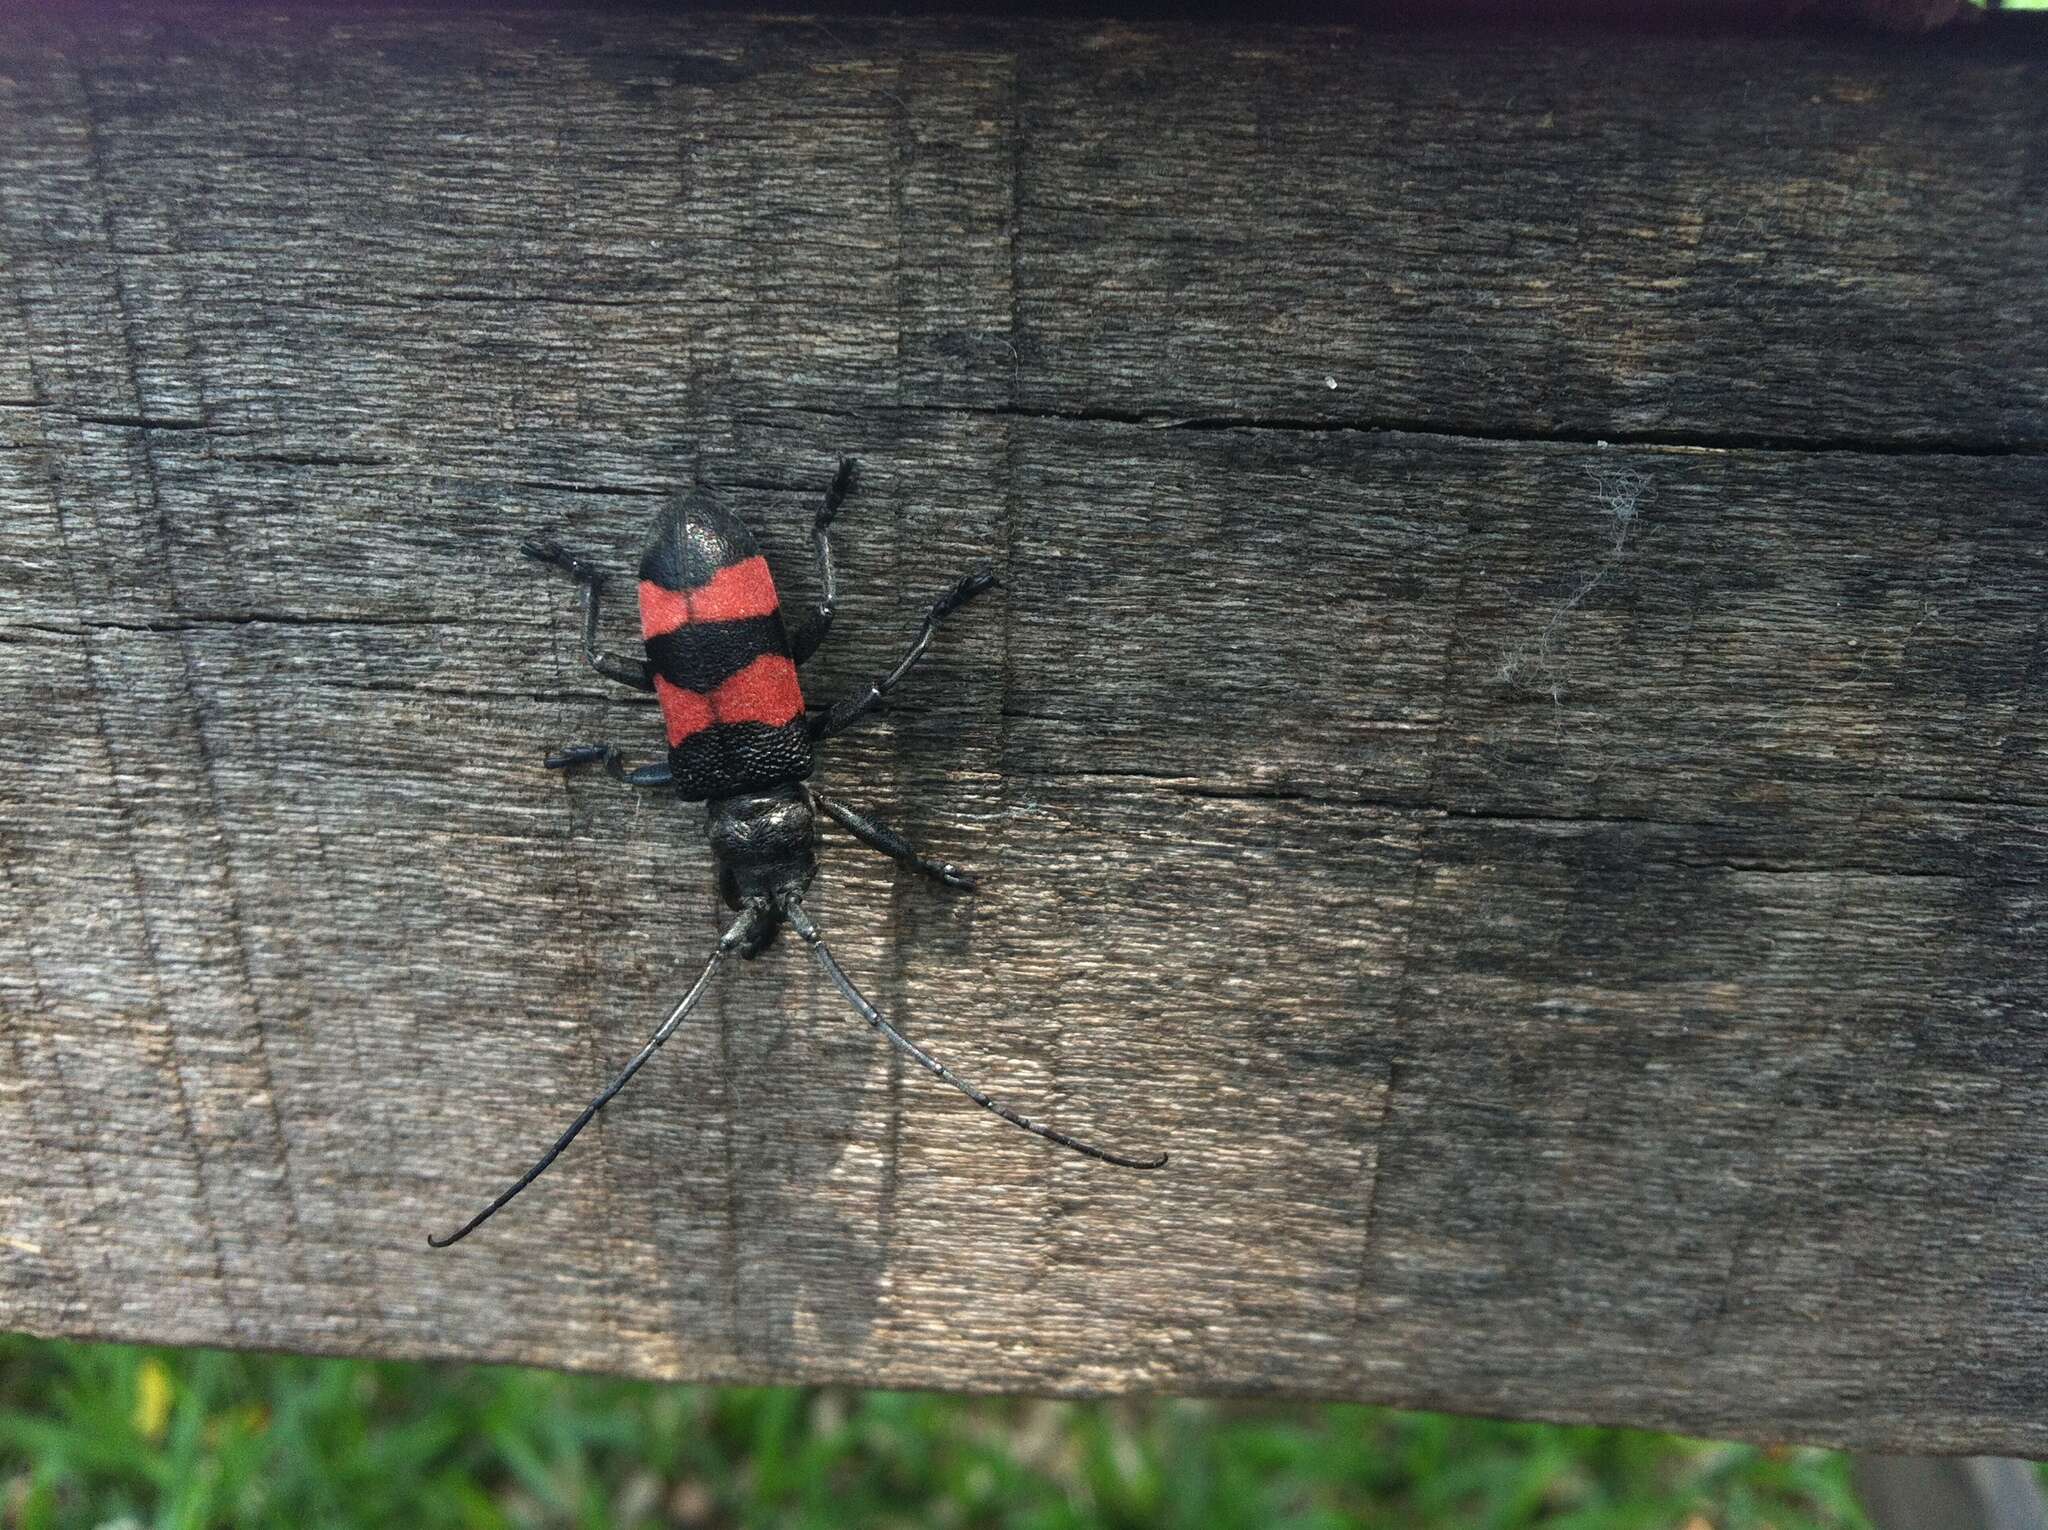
<point>879,836</point>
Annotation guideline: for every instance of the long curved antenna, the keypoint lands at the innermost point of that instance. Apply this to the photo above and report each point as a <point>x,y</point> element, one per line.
<point>728,943</point>
<point>799,921</point>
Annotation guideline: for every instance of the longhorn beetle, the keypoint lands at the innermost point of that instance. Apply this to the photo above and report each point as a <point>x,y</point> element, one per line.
<point>741,742</point>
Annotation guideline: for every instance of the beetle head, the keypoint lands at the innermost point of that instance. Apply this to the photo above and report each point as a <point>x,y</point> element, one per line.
<point>765,844</point>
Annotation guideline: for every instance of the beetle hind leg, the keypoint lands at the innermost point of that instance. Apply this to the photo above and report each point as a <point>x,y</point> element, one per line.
<point>813,631</point>
<point>637,673</point>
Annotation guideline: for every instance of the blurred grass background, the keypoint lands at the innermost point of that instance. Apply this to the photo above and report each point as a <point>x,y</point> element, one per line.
<point>119,1438</point>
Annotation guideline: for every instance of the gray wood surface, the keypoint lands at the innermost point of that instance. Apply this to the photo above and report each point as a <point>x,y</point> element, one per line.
<point>1949,1493</point>
<point>1512,743</point>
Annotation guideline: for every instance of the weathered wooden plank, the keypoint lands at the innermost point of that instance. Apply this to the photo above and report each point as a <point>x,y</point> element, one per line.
<point>1573,912</point>
<point>1693,246</point>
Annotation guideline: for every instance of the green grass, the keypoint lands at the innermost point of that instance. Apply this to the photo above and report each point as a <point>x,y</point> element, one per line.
<point>119,1438</point>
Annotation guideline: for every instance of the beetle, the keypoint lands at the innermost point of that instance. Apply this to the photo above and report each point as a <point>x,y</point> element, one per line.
<point>723,667</point>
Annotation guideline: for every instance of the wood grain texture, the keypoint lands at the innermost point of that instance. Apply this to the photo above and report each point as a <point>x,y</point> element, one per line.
<point>1512,742</point>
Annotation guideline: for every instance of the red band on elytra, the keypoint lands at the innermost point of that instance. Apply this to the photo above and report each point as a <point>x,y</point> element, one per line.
<point>766,691</point>
<point>744,589</point>
<point>685,712</point>
<point>661,610</point>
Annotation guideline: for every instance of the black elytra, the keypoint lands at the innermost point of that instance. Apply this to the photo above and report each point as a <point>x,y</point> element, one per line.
<point>741,741</point>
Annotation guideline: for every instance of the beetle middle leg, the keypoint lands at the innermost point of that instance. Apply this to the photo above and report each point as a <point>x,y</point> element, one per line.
<point>655,773</point>
<point>637,673</point>
<point>881,837</point>
<point>846,713</point>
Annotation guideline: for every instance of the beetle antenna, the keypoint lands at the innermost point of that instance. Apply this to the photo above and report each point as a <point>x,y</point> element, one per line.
<point>799,921</point>
<point>735,935</point>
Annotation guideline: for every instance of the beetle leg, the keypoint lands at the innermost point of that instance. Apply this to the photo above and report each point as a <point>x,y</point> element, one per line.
<point>637,673</point>
<point>846,713</point>
<point>813,631</point>
<point>654,774</point>
<point>881,837</point>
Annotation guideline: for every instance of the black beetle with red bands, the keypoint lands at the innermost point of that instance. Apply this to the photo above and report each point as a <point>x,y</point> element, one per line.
<point>741,741</point>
